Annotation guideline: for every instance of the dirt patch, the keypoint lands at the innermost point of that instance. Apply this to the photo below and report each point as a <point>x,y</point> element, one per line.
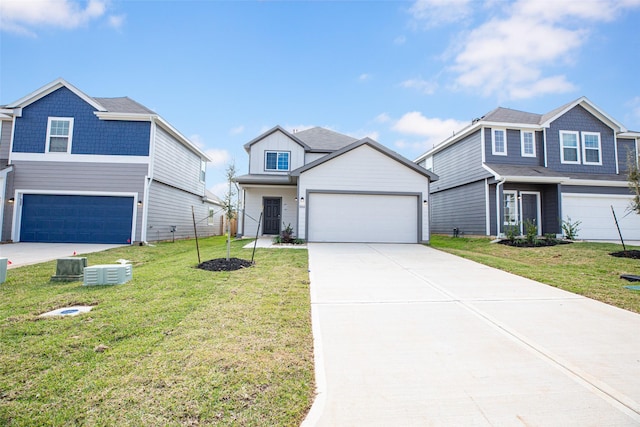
<point>626,254</point>
<point>221,264</point>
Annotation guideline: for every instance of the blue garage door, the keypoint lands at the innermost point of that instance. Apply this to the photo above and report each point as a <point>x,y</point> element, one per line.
<point>76,219</point>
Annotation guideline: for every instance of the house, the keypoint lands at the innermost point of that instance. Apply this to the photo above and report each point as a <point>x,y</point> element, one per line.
<point>331,187</point>
<point>101,170</point>
<point>509,167</point>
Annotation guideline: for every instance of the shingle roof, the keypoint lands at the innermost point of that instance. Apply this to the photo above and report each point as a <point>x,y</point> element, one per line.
<point>123,104</point>
<point>322,139</point>
<point>507,115</point>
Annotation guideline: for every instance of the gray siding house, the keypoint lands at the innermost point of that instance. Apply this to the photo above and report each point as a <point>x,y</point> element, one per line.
<point>510,166</point>
<point>80,169</point>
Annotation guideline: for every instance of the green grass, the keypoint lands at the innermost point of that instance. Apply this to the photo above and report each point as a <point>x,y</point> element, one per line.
<point>582,268</point>
<point>185,346</point>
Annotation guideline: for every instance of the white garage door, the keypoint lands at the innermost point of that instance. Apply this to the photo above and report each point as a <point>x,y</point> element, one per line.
<point>362,218</point>
<point>594,211</point>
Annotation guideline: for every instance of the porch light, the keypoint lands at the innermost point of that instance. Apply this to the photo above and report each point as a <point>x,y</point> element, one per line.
<point>424,202</point>
<point>139,203</point>
<point>11,200</point>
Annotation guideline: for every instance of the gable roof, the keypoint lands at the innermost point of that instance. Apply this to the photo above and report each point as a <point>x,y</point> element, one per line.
<point>506,116</point>
<point>52,87</point>
<point>321,139</point>
<point>275,129</point>
<point>373,144</point>
<point>123,104</point>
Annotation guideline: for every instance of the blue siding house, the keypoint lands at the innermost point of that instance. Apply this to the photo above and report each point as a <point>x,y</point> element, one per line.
<point>80,169</point>
<point>509,167</point>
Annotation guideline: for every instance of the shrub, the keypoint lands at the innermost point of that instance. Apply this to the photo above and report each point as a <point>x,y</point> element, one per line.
<point>530,231</point>
<point>570,229</point>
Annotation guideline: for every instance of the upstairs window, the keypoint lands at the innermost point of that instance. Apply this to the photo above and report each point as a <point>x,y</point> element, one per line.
<point>591,148</point>
<point>203,170</point>
<point>528,143</point>
<point>499,142</point>
<point>569,152</point>
<point>276,161</point>
<point>59,134</point>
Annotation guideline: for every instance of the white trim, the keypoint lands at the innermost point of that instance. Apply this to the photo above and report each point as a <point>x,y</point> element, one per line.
<point>78,158</point>
<point>522,145</point>
<point>17,206</point>
<point>538,210</point>
<point>483,147</point>
<point>52,87</point>
<point>577,135</point>
<point>544,144</point>
<point>13,132</point>
<point>591,108</point>
<point>277,153</point>
<point>615,150</point>
<point>129,117</point>
<point>69,135</point>
<point>584,148</point>
<point>493,142</point>
<point>504,199</point>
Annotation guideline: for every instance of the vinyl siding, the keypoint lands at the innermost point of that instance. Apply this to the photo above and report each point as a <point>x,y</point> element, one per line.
<point>459,164</point>
<point>364,169</point>
<point>5,139</point>
<point>253,207</point>
<point>175,164</point>
<point>169,206</point>
<point>461,207</point>
<point>514,149</point>
<point>276,141</point>
<point>580,120</point>
<point>626,154</point>
<point>7,220</point>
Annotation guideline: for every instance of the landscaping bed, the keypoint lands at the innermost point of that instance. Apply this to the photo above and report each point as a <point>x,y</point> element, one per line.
<point>176,345</point>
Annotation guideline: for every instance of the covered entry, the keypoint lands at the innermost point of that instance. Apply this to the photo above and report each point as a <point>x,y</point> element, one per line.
<point>76,219</point>
<point>363,217</point>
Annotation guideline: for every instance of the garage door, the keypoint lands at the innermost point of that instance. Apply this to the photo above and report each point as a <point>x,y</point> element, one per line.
<point>76,219</point>
<point>362,218</point>
<point>594,211</point>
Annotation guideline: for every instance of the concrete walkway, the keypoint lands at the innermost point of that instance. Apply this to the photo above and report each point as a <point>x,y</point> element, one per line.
<point>21,254</point>
<point>406,335</point>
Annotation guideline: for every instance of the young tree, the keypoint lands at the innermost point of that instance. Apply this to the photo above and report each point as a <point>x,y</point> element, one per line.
<point>633,176</point>
<point>229,201</point>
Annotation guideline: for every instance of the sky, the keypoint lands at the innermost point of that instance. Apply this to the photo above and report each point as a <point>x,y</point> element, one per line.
<point>405,73</point>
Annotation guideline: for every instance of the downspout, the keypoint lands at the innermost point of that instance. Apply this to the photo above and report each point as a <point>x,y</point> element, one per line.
<point>498,187</point>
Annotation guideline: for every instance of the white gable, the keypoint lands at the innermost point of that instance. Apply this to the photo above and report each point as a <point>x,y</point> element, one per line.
<point>276,141</point>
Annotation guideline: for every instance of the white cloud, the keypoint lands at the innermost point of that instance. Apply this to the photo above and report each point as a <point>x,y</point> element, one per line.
<point>431,130</point>
<point>432,13</point>
<point>364,77</point>
<point>382,118</point>
<point>423,86</point>
<point>400,40</point>
<point>116,21</point>
<point>23,17</point>
<point>218,157</point>
<point>220,189</point>
<point>513,56</point>
<point>236,130</point>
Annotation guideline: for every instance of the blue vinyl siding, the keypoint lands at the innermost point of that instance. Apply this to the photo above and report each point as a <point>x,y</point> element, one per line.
<point>580,120</point>
<point>514,151</point>
<point>76,219</point>
<point>90,134</point>
<point>626,154</point>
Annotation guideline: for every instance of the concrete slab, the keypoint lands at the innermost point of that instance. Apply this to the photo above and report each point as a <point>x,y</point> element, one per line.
<point>407,335</point>
<point>21,254</point>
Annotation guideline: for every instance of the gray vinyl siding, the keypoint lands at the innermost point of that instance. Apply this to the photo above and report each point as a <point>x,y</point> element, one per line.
<point>80,176</point>
<point>493,230</point>
<point>462,207</point>
<point>549,207</point>
<point>514,149</point>
<point>175,164</point>
<point>7,220</point>
<point>459,164</point>
<point>580,120</point>
<point>626,154</point>
<point>5,138</point>
<point>170,206</point>
<point>583,189</point>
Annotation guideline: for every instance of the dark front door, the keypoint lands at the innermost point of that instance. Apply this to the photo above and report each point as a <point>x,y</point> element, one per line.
<point>530,209</point>
<point>272,209</point>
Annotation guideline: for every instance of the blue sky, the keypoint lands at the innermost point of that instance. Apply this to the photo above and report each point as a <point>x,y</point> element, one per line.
<point>406,73</point>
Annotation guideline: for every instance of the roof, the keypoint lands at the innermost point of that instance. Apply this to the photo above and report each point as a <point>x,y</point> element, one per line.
<point>541,174</point>
<point>321,139</point>
<point>123,105</point>
<point>265,179</point>
<point>507,116</point>
<point>375,145</point>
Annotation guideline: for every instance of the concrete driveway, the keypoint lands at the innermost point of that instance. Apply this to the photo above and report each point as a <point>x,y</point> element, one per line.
<point>406,335</point>
<point>33,253</point>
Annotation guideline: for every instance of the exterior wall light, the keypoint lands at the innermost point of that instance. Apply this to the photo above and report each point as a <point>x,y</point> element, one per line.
<point>11,200</point>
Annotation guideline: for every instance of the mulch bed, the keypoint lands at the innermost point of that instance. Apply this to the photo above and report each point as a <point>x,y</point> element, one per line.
<point>221,264</point>
<point>626,254</point>
<point>520,243</point>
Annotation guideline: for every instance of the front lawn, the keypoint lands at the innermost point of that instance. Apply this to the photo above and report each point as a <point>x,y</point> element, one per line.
<point>184,346</point>
<point>583,268</point>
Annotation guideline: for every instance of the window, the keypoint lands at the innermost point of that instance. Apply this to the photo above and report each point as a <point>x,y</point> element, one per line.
<point>499,142</point>
<point>276,161</point>
<point>569,152</point>
<point>528,143</point>
<point>210,217</point>
<point>203,170</point>
<point>59,134</point>
<point>591,148</point>
<point>510,208</point>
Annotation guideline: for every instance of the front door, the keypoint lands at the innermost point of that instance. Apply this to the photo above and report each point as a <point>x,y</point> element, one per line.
<point>272,210</point>
<point>530,208</point>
